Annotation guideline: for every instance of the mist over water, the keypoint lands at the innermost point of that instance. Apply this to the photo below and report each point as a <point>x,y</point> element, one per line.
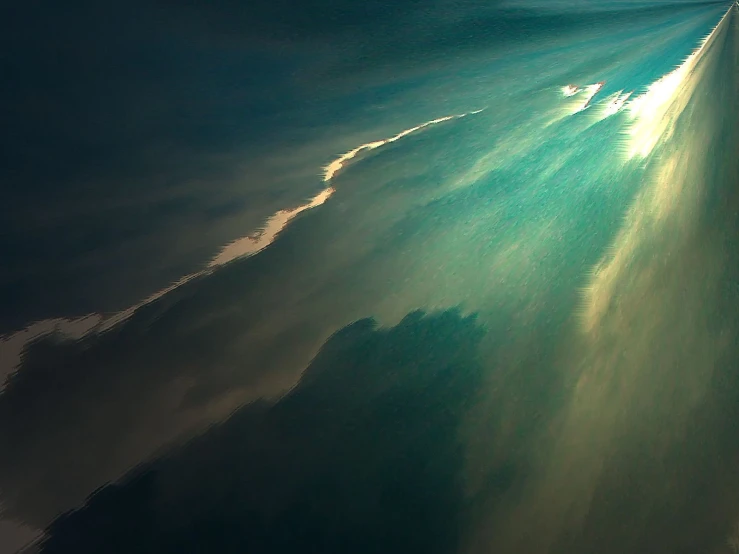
<point>643,452</point>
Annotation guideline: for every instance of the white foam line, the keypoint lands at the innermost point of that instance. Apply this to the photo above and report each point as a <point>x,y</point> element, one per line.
<point>332,168</point>
<point>584,95</point>
<point>615,103</point>
<point>570,90</point>
<point>13,345</point>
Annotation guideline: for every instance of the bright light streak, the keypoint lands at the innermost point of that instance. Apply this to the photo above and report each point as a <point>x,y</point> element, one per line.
<point>336,165</point>
<point>654,112</point>
<point>655,118</point>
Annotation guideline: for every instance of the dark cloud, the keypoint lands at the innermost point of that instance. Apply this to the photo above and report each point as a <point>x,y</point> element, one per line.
<point>363,456</point>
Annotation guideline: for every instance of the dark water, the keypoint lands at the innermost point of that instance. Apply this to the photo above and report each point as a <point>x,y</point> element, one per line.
<point>362,457</point>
